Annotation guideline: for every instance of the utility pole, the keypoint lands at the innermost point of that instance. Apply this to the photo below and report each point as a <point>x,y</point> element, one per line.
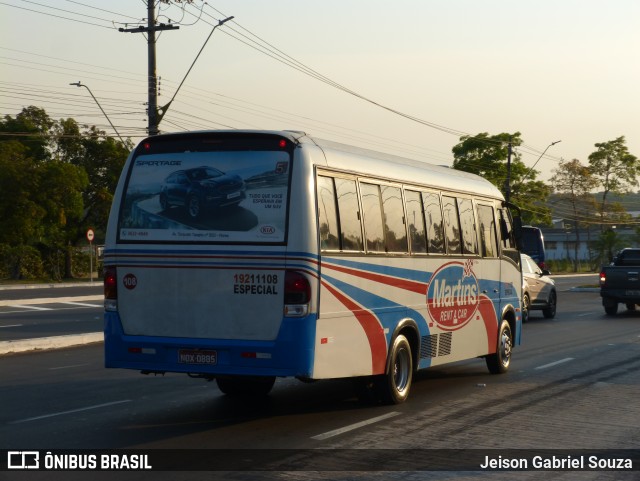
<point>150,30</point>
<point>507,186</point>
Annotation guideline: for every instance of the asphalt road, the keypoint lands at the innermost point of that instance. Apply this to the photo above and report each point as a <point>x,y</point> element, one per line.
<point>573,384</point>
<point>40,312</point>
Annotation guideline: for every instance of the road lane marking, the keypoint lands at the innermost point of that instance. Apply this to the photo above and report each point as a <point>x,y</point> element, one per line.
<point>561,361</point>
<point>351,427</point>
<point>12,325</point>
<point>33,308</point>
<point>71,411</point>
<point>50,300</point>
<point>82,304</point>
<point>67,367</point>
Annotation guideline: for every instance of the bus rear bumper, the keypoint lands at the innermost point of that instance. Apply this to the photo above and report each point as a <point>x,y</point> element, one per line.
<point>282,357</point>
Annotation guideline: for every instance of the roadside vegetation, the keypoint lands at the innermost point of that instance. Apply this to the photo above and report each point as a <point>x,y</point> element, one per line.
<point>57,180</point>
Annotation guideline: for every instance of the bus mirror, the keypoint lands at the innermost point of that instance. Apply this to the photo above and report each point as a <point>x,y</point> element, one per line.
<point>517,232</point>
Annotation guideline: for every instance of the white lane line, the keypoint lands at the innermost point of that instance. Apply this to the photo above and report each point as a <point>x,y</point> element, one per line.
<point>97,406</point>
<point>67,367</point>
<point>12,325</point>
<point>561,361</point>
<point>351,427</point>
<point>50,300</point>
<point>34,308</point>
<point>82,304</point>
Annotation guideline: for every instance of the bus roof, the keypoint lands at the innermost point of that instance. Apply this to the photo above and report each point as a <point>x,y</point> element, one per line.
<point>370,162</point>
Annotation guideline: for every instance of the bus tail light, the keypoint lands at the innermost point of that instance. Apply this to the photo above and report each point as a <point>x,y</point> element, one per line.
<point>297,294</point>
<point>110,289</point>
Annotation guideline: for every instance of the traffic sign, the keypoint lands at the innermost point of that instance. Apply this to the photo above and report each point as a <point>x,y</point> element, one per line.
<point>90,235</point>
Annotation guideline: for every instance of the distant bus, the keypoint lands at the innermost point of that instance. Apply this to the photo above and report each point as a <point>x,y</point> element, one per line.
<point>305,258</point>
<point>533,244</point>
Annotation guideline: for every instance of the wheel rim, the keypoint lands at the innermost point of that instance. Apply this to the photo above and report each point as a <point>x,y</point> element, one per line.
<point>505,347</point>
<point>402,371</point>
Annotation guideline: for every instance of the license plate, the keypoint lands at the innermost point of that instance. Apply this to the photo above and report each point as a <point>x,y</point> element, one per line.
<point>195,356</point>
<point>633,293</point>
<point>234,195</point>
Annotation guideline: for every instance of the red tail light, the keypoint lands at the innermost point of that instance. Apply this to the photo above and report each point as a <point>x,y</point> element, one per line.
<point>297,294</point>
<point>603,278</point>
<point>110,283</point>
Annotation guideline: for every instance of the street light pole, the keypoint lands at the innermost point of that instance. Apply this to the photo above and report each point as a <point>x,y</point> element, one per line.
<point>164,108</point>
<point>536,162</point>
<point>79,84</point>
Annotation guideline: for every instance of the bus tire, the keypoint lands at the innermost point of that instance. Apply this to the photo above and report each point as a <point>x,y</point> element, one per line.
<point>395,385</point>
<point>500,361</point>
<point>246,386</point>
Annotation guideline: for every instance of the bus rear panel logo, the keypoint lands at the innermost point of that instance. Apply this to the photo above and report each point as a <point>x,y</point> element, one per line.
<point>453,295</point>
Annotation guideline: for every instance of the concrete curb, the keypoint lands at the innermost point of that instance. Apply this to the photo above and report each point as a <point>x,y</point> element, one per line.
<point>47,343</point>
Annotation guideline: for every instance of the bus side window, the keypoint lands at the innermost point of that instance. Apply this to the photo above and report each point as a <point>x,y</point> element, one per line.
<point>508,242</point>
<point>488,239</point>
<point>434,224</point>
<point>393,215</point>
<point>415,219</point>
<point>327,214</point>
<point>468,226</point>
<point>372,218</point>
<point>451,224</point>
<point>349,215</point>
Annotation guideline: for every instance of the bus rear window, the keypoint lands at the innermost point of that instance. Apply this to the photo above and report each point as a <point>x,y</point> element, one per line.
<point>206,196</point>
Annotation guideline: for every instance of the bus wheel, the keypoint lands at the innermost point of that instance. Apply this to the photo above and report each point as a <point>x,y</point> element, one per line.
<point>395,385</point>
<point>246,385</point>
<point>500,361</point>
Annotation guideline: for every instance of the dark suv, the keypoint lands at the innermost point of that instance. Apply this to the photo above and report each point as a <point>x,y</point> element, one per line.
<point>201,188</point>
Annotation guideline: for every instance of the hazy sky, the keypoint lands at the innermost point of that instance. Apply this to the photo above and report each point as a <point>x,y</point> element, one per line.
<point>553,70</point>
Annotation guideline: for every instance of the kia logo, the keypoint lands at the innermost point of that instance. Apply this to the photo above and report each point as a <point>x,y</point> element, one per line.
<point>267,229</point>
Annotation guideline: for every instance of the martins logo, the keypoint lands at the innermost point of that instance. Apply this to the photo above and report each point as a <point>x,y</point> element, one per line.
<point>453,295</point>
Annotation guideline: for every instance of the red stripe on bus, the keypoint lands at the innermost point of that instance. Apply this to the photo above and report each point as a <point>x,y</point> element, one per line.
<point>372,328</point>
<point>490,319</point>
<point>413,286</point>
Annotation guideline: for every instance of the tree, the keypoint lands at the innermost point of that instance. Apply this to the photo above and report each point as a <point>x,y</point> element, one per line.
<point>487,156</point>
<point>103,158</point>
<point>615,169</point>
<point>20,213</point>
<point>55,182</point>
<point>31,127</point>
<point>574,182</point>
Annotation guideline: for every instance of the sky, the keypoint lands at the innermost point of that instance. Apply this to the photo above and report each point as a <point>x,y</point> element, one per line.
<point>415,74</point>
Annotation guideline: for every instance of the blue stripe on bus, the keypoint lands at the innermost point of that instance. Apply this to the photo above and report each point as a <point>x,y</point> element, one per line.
<point>379,305</point>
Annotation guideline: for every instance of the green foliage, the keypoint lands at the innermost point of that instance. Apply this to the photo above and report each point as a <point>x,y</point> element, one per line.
<point>20,262</point>
<point>607,245</point>
<point>55,183</point>
<point>614,168</point>
<point>487,156</point>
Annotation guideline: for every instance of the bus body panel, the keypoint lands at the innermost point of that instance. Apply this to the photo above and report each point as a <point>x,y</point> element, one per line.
<point>179,304</point>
